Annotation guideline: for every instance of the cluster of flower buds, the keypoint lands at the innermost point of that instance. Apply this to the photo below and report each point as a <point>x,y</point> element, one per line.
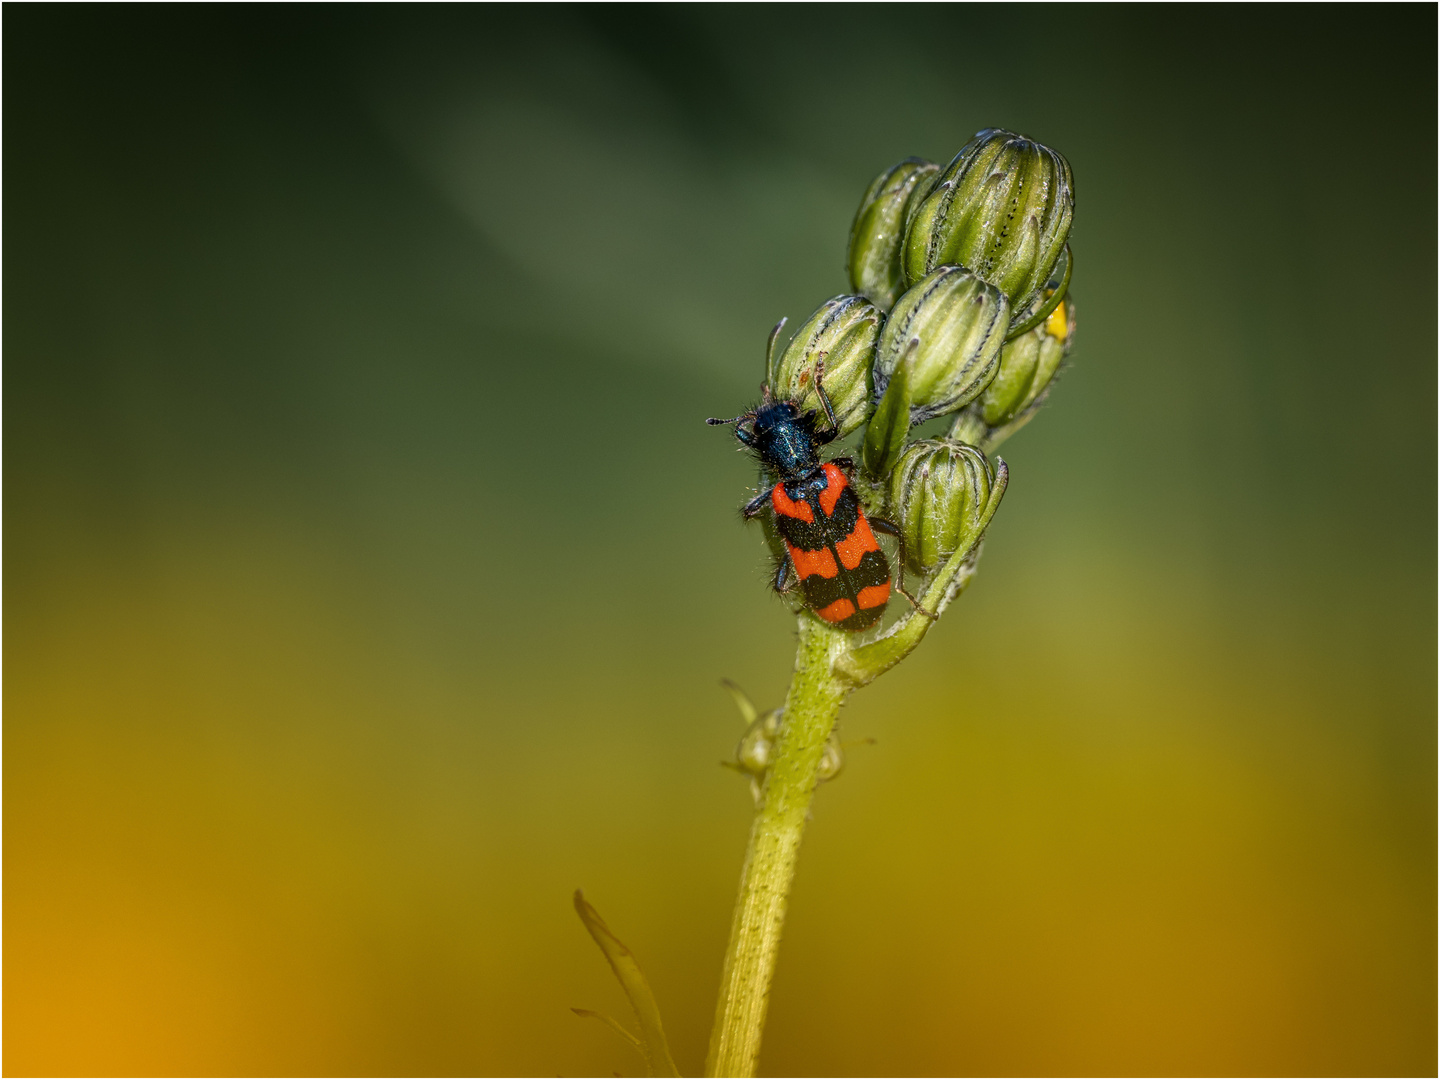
<point>962,260</point>
<point>1002,209</point>
<point>959,307</point>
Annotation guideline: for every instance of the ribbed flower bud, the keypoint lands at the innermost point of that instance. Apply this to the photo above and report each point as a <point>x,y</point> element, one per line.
<point>1002,209</point>
<point>938,495</point>
<point>878,232</point>
<point>949,328</point>
<point>1027,370</point>
<point>1027,365</point>
<point>843,331</point>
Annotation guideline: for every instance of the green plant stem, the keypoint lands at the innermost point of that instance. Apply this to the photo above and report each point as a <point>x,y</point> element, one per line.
<point>829,664</point>
<point>811,708</point>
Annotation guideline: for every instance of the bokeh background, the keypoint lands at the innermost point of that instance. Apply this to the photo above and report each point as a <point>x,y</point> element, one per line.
<point>369,572</point>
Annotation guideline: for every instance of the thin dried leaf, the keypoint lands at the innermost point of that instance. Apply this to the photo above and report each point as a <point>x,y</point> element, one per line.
<point>622,961</point>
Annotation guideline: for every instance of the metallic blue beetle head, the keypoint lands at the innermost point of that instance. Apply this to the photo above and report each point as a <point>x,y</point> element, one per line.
<point>786,441</point>
<point>783,438</point>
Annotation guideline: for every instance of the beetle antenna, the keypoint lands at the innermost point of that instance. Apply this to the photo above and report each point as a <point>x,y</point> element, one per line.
<point>824,397</point>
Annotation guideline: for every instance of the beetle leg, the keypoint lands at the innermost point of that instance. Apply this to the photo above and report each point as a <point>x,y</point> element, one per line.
<point>755,505</point>
<point>889,527</point>
<point>784,582</point>
<point>828,434</point>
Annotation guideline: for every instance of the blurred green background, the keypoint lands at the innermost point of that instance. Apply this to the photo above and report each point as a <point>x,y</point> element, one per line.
<point>369,572</point>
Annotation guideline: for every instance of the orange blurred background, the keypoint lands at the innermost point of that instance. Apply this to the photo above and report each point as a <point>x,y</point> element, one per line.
<point>369,572</point>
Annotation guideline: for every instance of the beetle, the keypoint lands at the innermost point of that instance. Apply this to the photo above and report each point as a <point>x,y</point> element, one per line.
<point>829,541</point>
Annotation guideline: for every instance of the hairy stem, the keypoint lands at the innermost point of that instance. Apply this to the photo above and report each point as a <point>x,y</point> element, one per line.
<point>828,666</point>
<point>811,708</point>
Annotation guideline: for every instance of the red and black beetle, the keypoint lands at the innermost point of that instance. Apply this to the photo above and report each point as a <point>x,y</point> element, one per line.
<point>843,574</point>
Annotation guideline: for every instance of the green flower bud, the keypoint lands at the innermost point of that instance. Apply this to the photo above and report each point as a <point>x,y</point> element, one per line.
<point>878,232</point>
<point>1002,209</point>
<point>756,752</point>
<point>843,332</point>
<point>949,329</point>
<point>938,496</point>
<point>756,749</point>
<point>1028,366</point>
